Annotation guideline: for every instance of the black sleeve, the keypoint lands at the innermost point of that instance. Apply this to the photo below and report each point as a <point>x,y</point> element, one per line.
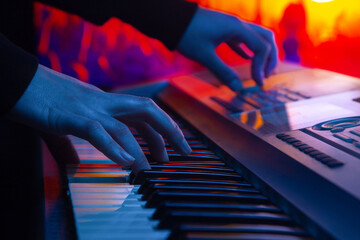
<point>165,20</point>
<point>17,68</point>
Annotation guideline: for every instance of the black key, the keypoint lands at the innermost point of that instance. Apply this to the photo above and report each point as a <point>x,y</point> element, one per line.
<point>193,146</point>
<point>235,236</point>
<point>192,163</point>
<point>157,198</point>
<point>195,189</point>
<point>194,151</point>
<point>192,182</point>
<point>181,175</point>
<point>183,206</point>
<point>246,228</point>
<point>192,168</point>
<point>192,157</point>
<point>219,217</point>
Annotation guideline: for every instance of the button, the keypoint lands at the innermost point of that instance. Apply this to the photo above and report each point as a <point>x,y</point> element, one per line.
<point>298,144</point>
<point>291,140</point>
<point>343,137</point>
<point>337,129</point>
<point>357,144</point>
<point>309,150</point>
<point>355,132</point>
<point>281,135</point>
<point>315,153</point>
<point>334,163</point>
<point>304,147</point>
<point>321,156</point>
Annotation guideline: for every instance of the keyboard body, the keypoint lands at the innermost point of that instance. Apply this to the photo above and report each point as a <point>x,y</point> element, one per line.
<point>288,141</point>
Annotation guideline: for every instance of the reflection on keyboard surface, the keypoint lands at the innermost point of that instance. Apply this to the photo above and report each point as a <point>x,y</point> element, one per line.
<point>192,197</point>
<point>255,98</point>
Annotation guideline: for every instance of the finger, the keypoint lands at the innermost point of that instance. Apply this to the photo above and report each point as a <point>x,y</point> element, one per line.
<point>154,140</point>
<point>273,56</point>
<point>238,50</point>
<point>61,148</point>
<point>259,46</point>
<point>225,74</point>
<point>158,120</point>
<point>122,135</point>
<point>94,132</point>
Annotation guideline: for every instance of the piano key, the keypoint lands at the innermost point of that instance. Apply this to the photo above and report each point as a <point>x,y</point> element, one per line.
<point>183,182</point>
<point>192,163</point>
<point>245,228</point>
<point>190,141</point>
<point>156,198</point>
<point>193,146</point>
<point>192,168</point>
<point>236,236</point>
<point>186,206</point>
<point>221,217</point>
<point>109,210</point>
<point>187,175</point>
<point>147,194</point>
<point>178,157</point>
<point>194,151</point>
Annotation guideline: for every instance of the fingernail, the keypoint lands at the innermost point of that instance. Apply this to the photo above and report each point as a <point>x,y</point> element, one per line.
<point>186,149</point>
<point>127,156</point>
<point>235,85</point>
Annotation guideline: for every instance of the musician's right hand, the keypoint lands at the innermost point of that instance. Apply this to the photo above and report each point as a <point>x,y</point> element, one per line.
<point>59,104</point>
<point>210,28</point>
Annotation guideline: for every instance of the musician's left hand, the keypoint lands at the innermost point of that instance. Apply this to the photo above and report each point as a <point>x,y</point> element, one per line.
<point>58,104</point>
<point>209,28</point>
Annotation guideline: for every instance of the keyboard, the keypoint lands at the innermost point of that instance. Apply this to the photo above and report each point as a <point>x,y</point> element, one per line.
<point>277,162</point>
<point>192,197</point>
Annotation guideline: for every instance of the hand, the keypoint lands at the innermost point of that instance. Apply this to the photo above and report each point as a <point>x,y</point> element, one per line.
<point>210,28</point>
<point>58,104</point>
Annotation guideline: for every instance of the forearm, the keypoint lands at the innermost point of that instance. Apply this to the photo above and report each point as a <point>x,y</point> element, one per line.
<point>17,68</point>
<point>165,20</point>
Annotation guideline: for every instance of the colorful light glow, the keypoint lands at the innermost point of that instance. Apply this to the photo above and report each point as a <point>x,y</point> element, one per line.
<point>317,33</point>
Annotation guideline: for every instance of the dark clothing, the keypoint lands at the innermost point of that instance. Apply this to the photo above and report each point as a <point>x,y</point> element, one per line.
<point>165,20</point>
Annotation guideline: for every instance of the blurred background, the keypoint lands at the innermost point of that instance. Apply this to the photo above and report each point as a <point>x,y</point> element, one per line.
<point>314,33</point>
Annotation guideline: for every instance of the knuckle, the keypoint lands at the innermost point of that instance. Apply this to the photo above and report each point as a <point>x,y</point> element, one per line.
<point>265,47</point>
<point>148,102</point>
<point>92,126</point>
<point>269,34</point>
<point>121,129</point>
<point>149,105</point>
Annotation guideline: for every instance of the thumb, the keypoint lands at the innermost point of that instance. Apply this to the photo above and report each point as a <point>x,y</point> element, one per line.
<point>222,71</point>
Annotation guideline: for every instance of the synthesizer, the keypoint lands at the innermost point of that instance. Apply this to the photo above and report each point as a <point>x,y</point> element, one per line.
<point>276,162</point>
